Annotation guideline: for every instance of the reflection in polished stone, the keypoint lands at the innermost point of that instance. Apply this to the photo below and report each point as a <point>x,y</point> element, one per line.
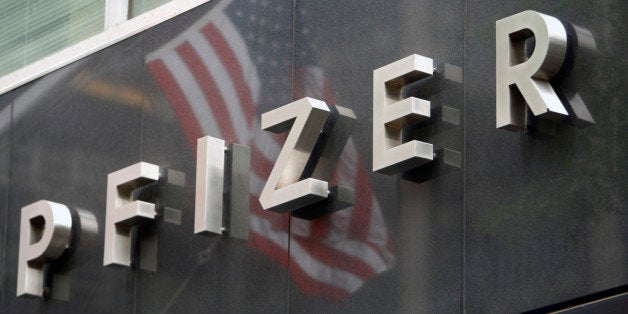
<point>444,124</point>
<point>580,61</point>
<point>218,76</point>
<point>89,227</point>
<point>59,274</point>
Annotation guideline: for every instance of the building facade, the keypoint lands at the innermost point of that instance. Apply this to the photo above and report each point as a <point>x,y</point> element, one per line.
<point>499,221</point>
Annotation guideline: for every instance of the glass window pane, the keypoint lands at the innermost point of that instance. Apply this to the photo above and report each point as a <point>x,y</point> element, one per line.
<point>138,7</point>
<point>31,30</point>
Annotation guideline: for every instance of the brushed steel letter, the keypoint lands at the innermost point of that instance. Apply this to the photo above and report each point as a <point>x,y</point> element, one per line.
<point>284,189</point>
<point>521,80</point>
<point>123,212</point>
<point>210,169</point>
<point>214,164</point>
<point>391,114</point>
<point>45,233</point>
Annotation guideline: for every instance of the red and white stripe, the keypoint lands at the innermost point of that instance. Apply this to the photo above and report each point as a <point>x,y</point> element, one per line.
<point>211,83</point>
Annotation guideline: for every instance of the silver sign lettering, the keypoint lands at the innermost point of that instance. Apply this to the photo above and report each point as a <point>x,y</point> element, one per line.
<point>45,233</point>
<point>521,80</point>
<point>391,114</point>
<point>123,212</point>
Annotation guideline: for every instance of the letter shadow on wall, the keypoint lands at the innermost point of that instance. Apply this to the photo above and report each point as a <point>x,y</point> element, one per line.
<point>443,129</point>
<point>580,59</point>
<point>57,279</point>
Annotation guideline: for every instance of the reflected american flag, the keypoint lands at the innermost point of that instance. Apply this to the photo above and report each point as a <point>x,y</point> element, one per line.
<point>219,76</point>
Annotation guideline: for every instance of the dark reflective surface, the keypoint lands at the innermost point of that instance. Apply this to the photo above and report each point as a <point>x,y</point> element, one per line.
<point>5,167</point>
<point>73,127</point>
<point>511,222</point>
<point>546,216</point>
<point>214,72</point>
<point>389,252</point>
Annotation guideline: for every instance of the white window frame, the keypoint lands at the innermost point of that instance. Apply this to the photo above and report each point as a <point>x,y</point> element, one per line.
<point>117,28</point>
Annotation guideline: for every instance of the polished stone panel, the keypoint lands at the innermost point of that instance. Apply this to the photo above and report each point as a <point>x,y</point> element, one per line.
<point>6,102</point>
<point>500,222</point>
<point>70,129</point>
<point>200,82</point>
<point>545,207</point>
<point>399,248</point>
